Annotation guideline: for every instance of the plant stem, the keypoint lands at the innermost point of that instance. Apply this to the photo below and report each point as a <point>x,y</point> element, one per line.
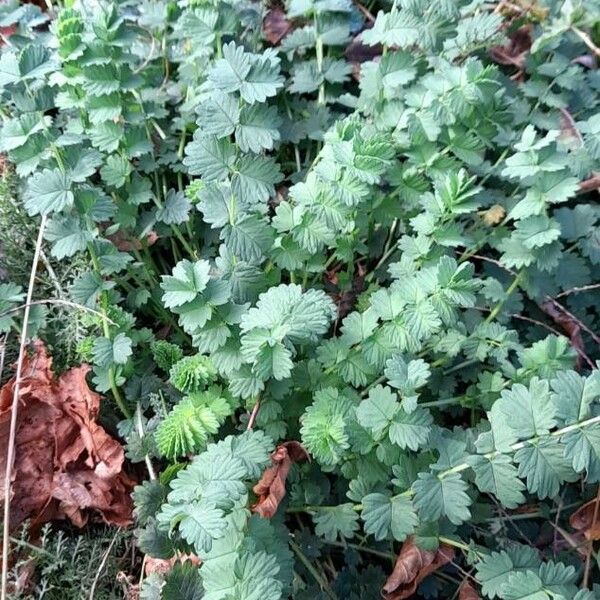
<point>106,331</point>
<point>311,569</point>
<point>464,466</point>
<point>364,549</point>
<point>140,428</point>
<point>513,286</point>
<point>524,443</point>
<point>319,52</point>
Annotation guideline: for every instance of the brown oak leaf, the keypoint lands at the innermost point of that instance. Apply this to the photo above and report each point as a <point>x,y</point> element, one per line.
<point>276,26</point>
<point>468,592</point>
<point>412,566</point>
<point>271,487</point>
<point>516,50</point>
<point>587,519</point>
<point>66,465</point>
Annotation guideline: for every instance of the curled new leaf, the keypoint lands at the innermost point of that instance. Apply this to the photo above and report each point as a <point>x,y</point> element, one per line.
<point>412,566</point>
<point>271,487</point>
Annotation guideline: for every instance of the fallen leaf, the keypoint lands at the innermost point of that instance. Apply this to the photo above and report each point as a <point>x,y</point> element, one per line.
<point>6,32</point>
<point>271,487</point>
<point>468,592</point>
<point>493,215</point>
<point>162,566</point>
<point>276,26</point>
<point>585,60</point>
<point>126,243</point>
<point>515,51</point>
<point>412,566</point>
<point>66,465</point>
<point>583,520</point>
<point>346,300</point>
<point>569,324</point>
<point>569,134</point>
<point>590,184</point>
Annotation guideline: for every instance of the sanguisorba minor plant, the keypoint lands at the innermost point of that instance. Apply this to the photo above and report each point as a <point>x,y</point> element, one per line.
<point>374,235</point>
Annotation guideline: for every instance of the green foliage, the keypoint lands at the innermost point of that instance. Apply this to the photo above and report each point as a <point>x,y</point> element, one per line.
<point>185,430</point>
<point>382,250</point>
<point>191,373</point>
<point>64,562</point>
<point>165,354</point>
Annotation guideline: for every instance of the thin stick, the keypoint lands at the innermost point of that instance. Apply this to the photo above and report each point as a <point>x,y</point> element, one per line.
<point>52,274</point>
<point>140,428</point>
<point>586,39</point>
<point>574,318</point>
<point>3,354</point>
<point>253,415</point>
<point>576,290</point>
<point>103,564</point>
<point>10,452</point>
<point>60,302</point>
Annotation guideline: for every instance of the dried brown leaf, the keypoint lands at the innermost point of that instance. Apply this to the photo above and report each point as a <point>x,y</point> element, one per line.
<point>127,243</point>
<point>493,215</point>
<point>163,566</point>
<point>66,465</point>
<point>271,487</point>
<point>412,566</point>
<point>515,51</point>
<point>468,592</point>
<point>587,520</point>
<point>569,324</point>
<point>276,26</point>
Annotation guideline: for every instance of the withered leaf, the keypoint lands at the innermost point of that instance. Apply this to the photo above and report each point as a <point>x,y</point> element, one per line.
<point>493,215</point>
<point>587,519</point>
<point>271,487</point>
<point>412,566</point>
<point>276,26</point>
<point>163,565</point>
<point>515,51</point>
<point>66,465</point>
<point>569,324</point>
<point>127,243</point>
<point>468,592</point>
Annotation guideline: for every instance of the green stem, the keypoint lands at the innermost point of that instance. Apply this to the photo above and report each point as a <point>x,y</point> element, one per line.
<point>464,466</point>
<point>524,443</point>
<point>319,53</point>
<point>364,549</point>
<point>106,330</point>
<point>323,584</point>
<point>513,286</point>
<point>461,546</point>
<point>381,261</point>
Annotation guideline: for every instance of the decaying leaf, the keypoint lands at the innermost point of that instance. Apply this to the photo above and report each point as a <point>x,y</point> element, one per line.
<point>587,519</point>
<point>66,465</point>
<point>515,51</point>
<point>468,592</point>
<point>493,215</point>
<point>127,243</point>
<point>569,324</point>
<point>412,566</point>
<point>163,566</point>
<point>271,487</point>
<point>276,25</point>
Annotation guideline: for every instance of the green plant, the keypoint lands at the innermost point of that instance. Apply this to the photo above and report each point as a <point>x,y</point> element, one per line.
<point>69,564</point>
<point>395,269</point>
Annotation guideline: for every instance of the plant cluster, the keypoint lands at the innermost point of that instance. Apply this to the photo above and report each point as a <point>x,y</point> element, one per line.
<point>376,235</point>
